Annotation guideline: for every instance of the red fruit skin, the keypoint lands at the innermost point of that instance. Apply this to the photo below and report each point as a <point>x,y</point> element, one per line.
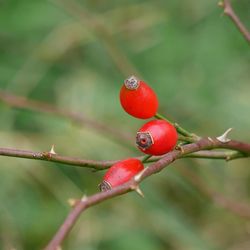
<point>164,137</point>
<point>141,102</point>
<point>120,173</point>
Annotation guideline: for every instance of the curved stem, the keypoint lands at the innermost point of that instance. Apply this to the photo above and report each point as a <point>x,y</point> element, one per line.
<point>146,158</point>
<point>203,144</point>
<point>186,139</point>
<point>179,129</point>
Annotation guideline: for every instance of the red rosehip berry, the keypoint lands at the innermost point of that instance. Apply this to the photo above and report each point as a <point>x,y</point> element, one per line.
<point>156,137</point>
<point>138,99</point>
<point>120,173</point>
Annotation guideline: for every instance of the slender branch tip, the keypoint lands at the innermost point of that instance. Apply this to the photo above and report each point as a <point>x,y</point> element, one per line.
<point>229,11</point>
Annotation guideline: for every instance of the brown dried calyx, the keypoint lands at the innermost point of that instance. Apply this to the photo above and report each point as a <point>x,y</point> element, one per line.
<point>132,83</point>
<point>144,140</point>
<point>104,186</point>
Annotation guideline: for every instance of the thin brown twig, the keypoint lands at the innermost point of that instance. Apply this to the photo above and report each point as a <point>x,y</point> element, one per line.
<point>203,144</point>
<point>213,154</point>
<point>101,165</point>
<point>38,106</point>
<point>229,11</point>
<point>48,156</point>
<point>226,155</point>
<point>238,208</point>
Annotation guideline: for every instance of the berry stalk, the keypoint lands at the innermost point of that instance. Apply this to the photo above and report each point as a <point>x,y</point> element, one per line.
<point>189,136</point>
<point>146,158</point>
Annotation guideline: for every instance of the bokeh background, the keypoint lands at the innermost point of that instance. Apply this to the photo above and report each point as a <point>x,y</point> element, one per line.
<point>74,55</point>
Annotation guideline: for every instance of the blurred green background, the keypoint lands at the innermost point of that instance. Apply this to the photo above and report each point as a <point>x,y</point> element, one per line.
<point>75,55</point>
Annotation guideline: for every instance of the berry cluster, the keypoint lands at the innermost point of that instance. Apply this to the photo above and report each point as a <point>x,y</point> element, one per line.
<point>156,137</point>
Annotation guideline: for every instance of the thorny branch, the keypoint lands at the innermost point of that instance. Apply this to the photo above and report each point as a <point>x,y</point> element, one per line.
<point>200,149</point>
<point>228,10</point>
<point>101,165</point>
<point>237,150</point>
<point>133,185</point>
<point>48,156</point>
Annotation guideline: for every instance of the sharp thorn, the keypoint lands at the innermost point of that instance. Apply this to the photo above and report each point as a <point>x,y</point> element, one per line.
<point>180,147</point>
<point>137,178</point>
<point>137,189</point>
<point>223,138</point>
<point>210,139</point>
<point>52,150</point>
<point>72,202</point>
<point>84,198</point>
